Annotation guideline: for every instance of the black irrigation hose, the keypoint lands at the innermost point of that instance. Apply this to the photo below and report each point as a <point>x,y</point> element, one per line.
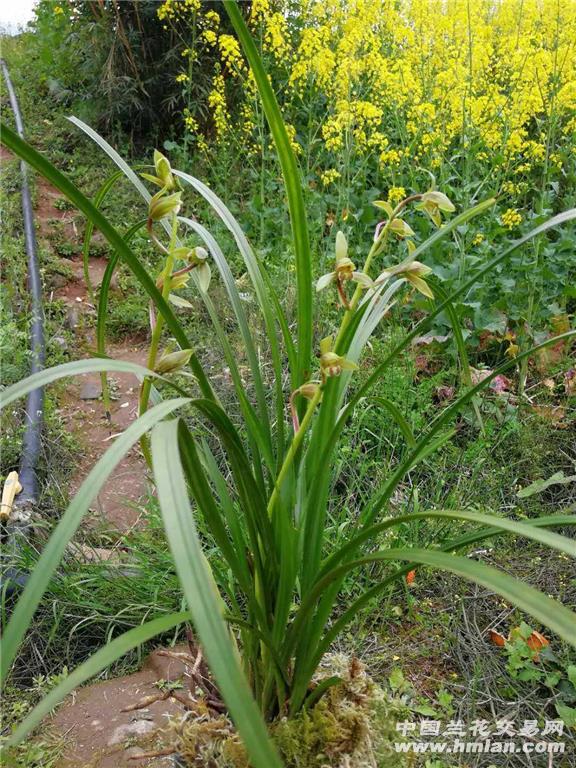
<point>19,526</point>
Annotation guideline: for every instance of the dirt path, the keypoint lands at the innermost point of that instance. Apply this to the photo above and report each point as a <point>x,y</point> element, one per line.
<point>81,407</point>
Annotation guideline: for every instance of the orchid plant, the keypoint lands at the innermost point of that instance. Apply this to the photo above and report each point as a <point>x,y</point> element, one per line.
<point>266,619</point>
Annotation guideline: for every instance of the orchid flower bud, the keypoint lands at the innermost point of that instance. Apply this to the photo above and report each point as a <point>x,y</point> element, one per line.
<point>309,390</point>
<point>341,246</point>
<point>163,205</point>
<point>332,364</point>
<point>173,361</point>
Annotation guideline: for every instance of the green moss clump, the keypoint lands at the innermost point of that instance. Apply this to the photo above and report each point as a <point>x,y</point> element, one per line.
<point>353,725</point>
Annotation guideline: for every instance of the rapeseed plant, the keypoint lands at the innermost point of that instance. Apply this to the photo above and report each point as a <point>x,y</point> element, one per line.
<point>410,81</point>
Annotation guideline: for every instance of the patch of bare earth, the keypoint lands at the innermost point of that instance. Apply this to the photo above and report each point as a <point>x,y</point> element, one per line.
<point>116,723</point>
<point>81,406</point>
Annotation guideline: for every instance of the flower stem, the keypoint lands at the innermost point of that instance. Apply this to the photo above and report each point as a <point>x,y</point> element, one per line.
<point>294,446</point>
<point>301,432</point>
<point>376,248</point>
<point>157,331</point>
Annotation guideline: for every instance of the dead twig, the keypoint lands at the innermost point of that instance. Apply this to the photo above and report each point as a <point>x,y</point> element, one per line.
<point>147,700</point>
<point>165,752</point>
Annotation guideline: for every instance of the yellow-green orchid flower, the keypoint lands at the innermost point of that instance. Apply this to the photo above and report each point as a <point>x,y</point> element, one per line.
<point>197,259</point>
<point>401,228</point>
<point>414,273</point>
<point>345,270</point>
<point>332,364</point>
<point>173,361</point>
<point>162,205</point>
<point>164,177</point>
<point>432,203</point>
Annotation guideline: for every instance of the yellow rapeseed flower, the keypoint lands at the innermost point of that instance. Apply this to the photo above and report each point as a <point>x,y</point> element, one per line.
<point>511,218</point>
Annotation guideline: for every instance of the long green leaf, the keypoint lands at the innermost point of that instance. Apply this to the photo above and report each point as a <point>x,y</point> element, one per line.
<point>53,175</point>
<point>68,525</point>
<point>102,311</point>
<point>203,599</point>
<point>48,375</point>
<point>293,185</point>
<point>243,324</point>
<point>474,537</point>
<point>212,515</point>
<point>547,538</point>
<point>96,663</point>
<point>398,417</point>
<point>550,612</point>
<point>460,346</point>
<point>266,296</point>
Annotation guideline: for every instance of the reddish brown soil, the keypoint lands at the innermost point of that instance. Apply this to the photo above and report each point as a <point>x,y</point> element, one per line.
<point>46,212</point>
<point>100,735</point>
<point>117,504</point>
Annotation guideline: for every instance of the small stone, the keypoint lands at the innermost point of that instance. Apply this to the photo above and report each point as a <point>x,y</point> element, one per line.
<point>61,342</point>
<point>72,319</point>
<point>56,281</point>
<point>88,554</point>
<point>90,391</point>
<point>137,728</point>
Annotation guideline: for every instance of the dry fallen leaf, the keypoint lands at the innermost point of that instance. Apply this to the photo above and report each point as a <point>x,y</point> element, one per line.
<point>500,384</point>
<point>496,638</point>
<point>477,375</point>
<point>536,641</point>
<point>552,413</point>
